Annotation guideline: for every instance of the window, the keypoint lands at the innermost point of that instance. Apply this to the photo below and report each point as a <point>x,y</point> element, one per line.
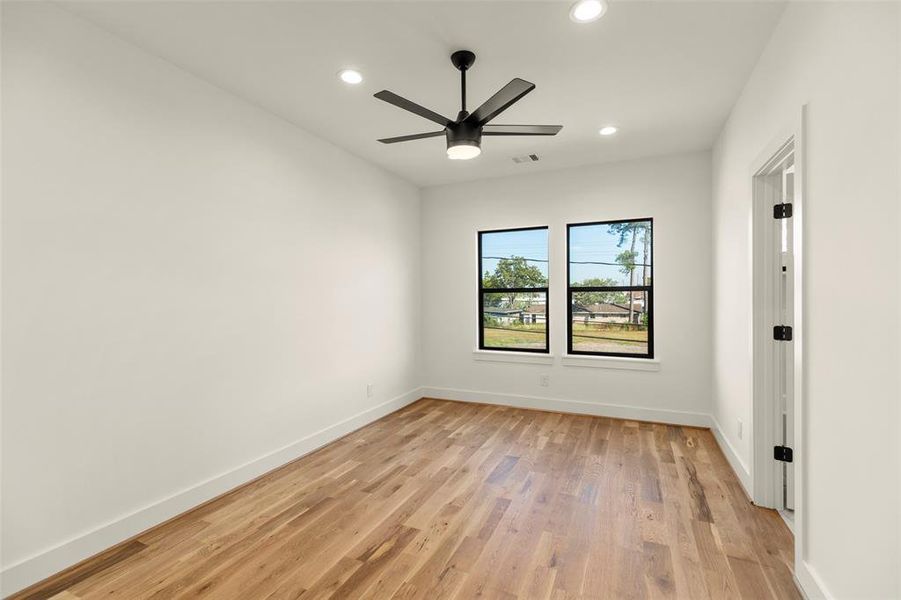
<point>513,284</point>
<point>610,288</point>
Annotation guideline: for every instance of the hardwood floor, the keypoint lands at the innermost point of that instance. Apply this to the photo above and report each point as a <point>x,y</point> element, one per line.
<point>452,500</point>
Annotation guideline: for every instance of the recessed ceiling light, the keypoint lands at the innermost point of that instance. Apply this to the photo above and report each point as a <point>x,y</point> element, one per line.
<point>608,130</point>
<point>350,76</point>
<point>586,11</point>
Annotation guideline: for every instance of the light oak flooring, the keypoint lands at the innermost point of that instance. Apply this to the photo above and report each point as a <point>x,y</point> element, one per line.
<point>452,500</point>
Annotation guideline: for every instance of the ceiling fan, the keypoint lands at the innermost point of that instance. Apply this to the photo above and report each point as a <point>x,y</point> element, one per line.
<point>464,136</point>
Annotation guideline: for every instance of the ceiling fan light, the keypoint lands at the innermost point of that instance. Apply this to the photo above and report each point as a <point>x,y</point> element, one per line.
<point>463,150</point>
<point>586,11</point>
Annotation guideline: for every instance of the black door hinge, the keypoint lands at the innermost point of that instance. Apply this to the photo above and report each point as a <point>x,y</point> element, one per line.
<point>783,453</point>
<point>782,211</point>
<point>782,333</point>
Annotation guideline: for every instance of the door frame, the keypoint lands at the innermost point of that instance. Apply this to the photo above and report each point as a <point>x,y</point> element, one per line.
<point>768,426</point>
<point>763,425</point>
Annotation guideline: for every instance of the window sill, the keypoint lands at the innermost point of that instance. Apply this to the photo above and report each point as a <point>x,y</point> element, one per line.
<point>533,358</point>
<point>611,362</point>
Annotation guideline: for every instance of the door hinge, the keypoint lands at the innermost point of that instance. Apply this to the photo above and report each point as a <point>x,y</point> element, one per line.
<point>783,453</point>
<point>782,211</point>
<point>782,333</point>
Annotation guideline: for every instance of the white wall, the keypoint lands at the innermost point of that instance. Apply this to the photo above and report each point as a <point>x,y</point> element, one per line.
<point>193,290</point>
<point>674,190</point>
<point>841,60</point>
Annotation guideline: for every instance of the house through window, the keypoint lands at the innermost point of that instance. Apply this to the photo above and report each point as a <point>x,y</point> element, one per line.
<point>610,288</point>
<point>513,290</point>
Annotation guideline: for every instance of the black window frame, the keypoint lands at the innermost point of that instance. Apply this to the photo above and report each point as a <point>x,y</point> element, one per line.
<point>537,290</point>
<point>647,289</point>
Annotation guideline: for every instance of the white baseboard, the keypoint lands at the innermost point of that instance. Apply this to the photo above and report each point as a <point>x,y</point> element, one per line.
<point>737,464</point>
<point>675,417</point>
<point>31,570</point>
<point>809,582</point>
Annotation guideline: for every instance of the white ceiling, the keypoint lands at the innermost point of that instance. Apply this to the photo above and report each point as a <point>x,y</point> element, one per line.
<point>666,73</point>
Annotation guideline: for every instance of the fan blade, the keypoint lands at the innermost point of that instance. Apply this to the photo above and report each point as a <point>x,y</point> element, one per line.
<point>521,129</point>
<point>407,138</point>
<point>398,101</point>
<point>502,100</point>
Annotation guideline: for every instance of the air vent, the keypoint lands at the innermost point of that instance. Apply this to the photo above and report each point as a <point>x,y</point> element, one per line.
<point>525,158</point>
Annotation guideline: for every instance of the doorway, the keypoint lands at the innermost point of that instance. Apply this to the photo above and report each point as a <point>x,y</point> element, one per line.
<point>776,226</point>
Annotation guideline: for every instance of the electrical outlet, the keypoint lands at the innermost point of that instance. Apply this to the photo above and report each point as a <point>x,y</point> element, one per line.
<point>370,390</point>
<point>544,380</point>
<point>740,428</point>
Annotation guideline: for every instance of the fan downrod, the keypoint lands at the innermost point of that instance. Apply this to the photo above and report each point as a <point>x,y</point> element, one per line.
<point>463,59</point>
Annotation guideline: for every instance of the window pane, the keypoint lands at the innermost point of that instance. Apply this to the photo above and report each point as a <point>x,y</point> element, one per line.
<point>514,320</point>
<point>607,322</point>
<point>514,259</point>
<point>610,254</point>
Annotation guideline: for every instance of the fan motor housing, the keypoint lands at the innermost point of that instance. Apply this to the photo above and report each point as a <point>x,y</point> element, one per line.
<point>464,133</point>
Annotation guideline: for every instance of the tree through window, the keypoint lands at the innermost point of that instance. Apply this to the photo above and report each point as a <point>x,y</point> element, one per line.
<point>610,288</point>
<point>513,290</point>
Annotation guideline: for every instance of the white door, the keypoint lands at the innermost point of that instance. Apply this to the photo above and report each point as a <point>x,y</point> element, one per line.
<point>783,314</point>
